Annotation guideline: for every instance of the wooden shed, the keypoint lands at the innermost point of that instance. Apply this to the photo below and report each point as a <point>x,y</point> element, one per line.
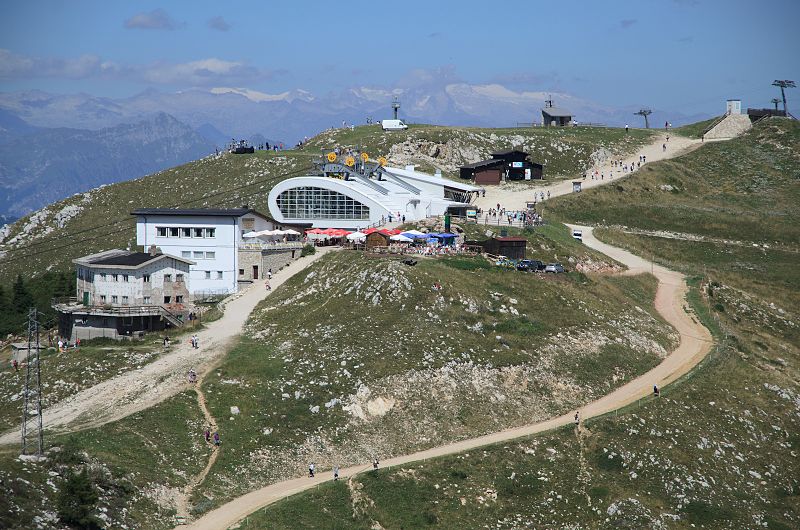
<point>376,239</point>
<point>510,247</point>
<point>483,172</point>
<point>517,166</point>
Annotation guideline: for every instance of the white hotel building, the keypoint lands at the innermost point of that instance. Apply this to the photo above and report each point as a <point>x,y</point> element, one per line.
<point>209,237</point>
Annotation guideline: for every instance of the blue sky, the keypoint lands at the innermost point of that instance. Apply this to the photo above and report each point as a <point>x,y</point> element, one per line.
<point>687,55</point>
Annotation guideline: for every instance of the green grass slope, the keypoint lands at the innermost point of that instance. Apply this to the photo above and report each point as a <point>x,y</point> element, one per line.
<point>719,449</point>
<point>358,356</point>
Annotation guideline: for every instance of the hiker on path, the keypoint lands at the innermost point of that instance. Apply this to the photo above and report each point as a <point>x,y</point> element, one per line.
<point>15,364</point>
<point>166,342</point>
<point>216,438</point>
<point>577,419</point>
<point>375,464</point>
<point>60,345</point>
<point>207,434</point>
<point>269,274</point>
<point>626,128</point>
<point>663,147</point>
<point>311,470</point>
<point>267,285</point>
<point>656,391</point>
<point>335,473</point>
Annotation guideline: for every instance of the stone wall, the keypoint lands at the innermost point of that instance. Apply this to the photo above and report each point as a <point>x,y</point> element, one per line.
<point>266,259</point>
<point>732,126</point>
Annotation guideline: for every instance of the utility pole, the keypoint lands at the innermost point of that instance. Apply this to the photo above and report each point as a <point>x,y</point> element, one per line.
<point>395,106</point>
<point>783,84</point>
<point>32,431</point>
<point>645,113</point>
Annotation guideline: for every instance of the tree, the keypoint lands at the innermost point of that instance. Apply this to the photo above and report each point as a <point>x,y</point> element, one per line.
<point>77,500</point>
<point>7,316</point>
<point>21,298</point>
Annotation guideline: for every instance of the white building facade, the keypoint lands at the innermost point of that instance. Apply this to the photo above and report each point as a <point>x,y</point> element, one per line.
<point>359,201</point>
<point>209,237</point>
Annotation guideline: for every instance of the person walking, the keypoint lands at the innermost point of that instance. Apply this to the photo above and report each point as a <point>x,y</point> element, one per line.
<point>626,128</point>
<point>374,464</point>
<point>656,391</point>
<point>207,434</point>
<point>267,285</point>
<point>15,364</point>
<point>577,419</point>
<point>269,274</point>
<point>335,473</point>
<point>311,470</point>
<point>216,438</point>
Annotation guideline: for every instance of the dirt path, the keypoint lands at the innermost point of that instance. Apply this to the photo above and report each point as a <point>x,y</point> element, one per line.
<point>513,196</point>
<point>140,389</point>
<point>670,302</point>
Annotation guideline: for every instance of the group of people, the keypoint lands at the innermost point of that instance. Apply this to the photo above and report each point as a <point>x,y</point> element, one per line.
<point>390,217</point>
<point>209,437</point>
<point>521,217</point>
<point>195,341</point>
<point>63,345</point>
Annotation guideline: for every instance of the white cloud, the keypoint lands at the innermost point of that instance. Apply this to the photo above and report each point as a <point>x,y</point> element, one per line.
<point>13,65</point>
<point>155,19</point>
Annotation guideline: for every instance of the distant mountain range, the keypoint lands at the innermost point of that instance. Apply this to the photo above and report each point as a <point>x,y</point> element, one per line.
<point>54,145</point>
<point>41,165</point>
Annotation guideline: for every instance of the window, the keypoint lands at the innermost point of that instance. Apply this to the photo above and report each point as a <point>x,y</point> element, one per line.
<point>198,232</point>
<point>219,275</point>
<point>102,299</point>
<point>103,276</point>
<point>241,272</point>
<point>208,275</point>
<point>124,277</point>
<point>124,300</point>
<point>167,299</point>
<point>146,300</point>
<point>167,278</point>
<point>179,299</point>
<point>173,231</point>
<point>114,299</point>
<point>309,202</point>
<point>199,254</point>
<point>115,277</point>
<point>211,255</point>
<point>146,278</point>
<point>186,232</point>
<point>179,277</point>
<point>161,231</point>
<point>211,232</point>
<point>186,253</point>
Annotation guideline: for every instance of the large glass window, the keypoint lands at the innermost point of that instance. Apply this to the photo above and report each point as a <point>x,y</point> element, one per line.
<point>308,202</point>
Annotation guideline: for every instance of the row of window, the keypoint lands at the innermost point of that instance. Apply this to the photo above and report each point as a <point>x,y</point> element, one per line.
<point>146,300</point>
<point>309,202</point>
<point>185,231</point>
<point>145,277</point>
<point>198,254</point>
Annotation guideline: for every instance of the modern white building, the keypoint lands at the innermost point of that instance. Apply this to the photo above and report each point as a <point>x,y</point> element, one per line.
<point>210,237</point>
<point>360,199</point>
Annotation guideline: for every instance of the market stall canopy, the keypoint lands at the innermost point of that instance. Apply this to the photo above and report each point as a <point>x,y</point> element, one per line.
<point>401,237</point>
<point>414,234</point>
<point>250,234</point>
<point>356,236</point>
<point>290,232</point>
<point>444,235</point>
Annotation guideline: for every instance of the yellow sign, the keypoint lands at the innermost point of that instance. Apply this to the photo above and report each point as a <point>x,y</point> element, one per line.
<point>364,157</point>
<point>331,157</point>
<point>349,161</point>
<point>382,161</point>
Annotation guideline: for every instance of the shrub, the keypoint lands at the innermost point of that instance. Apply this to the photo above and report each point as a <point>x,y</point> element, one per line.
<point>77,501</point>
<point>308,250</point>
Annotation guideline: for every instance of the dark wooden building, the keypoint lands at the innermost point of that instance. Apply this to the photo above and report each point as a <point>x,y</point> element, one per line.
<point>504,165</point>
<point>376,239</point>
<point>483,172</point>
<point>510,247</point>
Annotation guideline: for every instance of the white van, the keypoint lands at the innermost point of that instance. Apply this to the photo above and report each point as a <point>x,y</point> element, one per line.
<point>577,234</point>
<point>393,125</point>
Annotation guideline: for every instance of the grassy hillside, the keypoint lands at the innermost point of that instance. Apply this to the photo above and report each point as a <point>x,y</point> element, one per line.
<point>718,449</point>
<point>358,356</point>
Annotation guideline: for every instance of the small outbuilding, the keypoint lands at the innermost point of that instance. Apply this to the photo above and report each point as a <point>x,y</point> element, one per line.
<point>504,165</point>
<point>554,116</point>
<point>376,239</point>
<point>483,172</point>
<point>510,247</point>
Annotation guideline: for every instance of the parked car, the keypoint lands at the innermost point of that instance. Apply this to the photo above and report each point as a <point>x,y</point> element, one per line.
<point>393,125</point>
<point>530,265</point>
<point>577,234</point>
<point>554,267</point>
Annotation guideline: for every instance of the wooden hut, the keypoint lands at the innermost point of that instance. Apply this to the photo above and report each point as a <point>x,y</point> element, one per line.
<point>376,239</point>
<point>510,247</point>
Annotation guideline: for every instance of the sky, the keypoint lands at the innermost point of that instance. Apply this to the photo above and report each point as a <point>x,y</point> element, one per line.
<point>685,55</point>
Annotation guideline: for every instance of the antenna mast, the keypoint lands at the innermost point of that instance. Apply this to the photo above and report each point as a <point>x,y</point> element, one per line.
<point>395,106</point>
<point>32,431</point>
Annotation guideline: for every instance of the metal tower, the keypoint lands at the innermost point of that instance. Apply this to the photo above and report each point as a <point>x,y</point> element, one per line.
<point>395,106</point>
<point>784,84</point>
<point>645,113</point>
<point>32,432</point>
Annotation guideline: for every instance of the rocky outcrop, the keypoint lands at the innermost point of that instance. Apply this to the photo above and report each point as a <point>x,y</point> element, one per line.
<point>732,126</point>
